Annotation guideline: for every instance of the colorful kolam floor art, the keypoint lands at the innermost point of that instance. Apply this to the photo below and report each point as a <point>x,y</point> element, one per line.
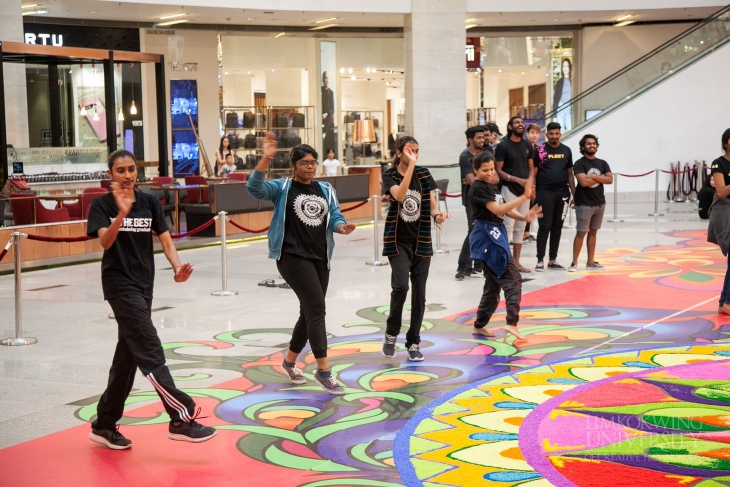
<point>645,333</point>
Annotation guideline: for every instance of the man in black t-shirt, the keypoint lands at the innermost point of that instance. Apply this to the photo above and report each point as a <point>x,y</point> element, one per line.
<point>592,173</point>
<point>475,144</point>
<point>513,161</point>
<point>555,186</point>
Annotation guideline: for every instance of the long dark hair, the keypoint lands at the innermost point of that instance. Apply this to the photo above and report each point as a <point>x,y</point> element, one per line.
<point>400,145</point>
<point>481,158</point>
<point>119,154</point>
<point>725,139</point>
<point>570,68</point>
<point>220,147</point>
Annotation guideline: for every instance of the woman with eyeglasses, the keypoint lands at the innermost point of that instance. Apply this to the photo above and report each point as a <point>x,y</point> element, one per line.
<point>306,215</point>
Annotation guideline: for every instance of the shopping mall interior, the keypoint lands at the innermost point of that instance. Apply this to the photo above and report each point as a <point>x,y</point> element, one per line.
<point>629,363</point>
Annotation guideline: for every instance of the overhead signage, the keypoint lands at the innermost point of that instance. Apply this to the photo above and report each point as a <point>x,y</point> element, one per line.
<point>472,51</point>
<point>44,39</point>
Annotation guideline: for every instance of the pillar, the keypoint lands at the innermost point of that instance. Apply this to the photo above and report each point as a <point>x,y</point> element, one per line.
<point>435,82</point>
<point>16,98</point>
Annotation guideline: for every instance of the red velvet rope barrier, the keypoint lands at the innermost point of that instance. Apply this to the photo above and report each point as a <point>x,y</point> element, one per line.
<point>675,172</point>
<point>457,195</point>
<point>43,238</point>
<point>354,207</point>
<point>194,230</point>
<point>635,175</point>
<point>247,229</point>
<point>5,250</point>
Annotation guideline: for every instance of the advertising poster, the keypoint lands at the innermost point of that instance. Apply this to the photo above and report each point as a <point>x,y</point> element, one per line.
<point>328,68</point>
<point>563,91</point>
<point>183,107</point>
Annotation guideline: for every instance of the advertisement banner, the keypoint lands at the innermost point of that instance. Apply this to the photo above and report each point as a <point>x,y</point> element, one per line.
<point>473,52</point>
<point>328,68</point>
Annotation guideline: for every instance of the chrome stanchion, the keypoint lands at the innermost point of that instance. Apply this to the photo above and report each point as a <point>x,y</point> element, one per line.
<point>694,190</point>
<point>19,339</point>
<point>656,195</point>
<point>615,200</point>
<point>438,249</point>
<point>571,212</point>
<point>224,259</point>
<point>677,178</point>
<point>376,213</point>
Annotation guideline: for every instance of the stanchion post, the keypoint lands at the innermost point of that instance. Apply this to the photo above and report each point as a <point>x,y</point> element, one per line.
<point>438,249</point>
<point>615,200</point>
<point>656,194</point>
<point>571,210</point>
<point>18,339</point>
<point>224,259</point>
<point>376,212</point>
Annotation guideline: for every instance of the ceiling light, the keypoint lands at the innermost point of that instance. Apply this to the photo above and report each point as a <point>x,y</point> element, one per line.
<point>171,22</point>
<point>249,72</point>
<point>40,11</point>
<point>470,26</point>
<point>523,72</point>
<point>250,18</point>
<point>349,70</point>
<point>322,27</point>
<point>32,5</point>
<point>172,16</point>
<point>624,23</point>
<point>470,20</point>
<point>133,108</point>
<point>325,20</point>
<point>226,73</point>
<point>279,34</point>
<point>353,77</point>
<point>623,17</point>
<point>120,117</point>
<point>387,83</point>
<point>499,70</point>
<point>92,11</point>
<point>342,70</point>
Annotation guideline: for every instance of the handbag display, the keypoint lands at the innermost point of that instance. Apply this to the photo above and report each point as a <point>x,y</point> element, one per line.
<point>231,120</point>
<point>249,142</point>
<point>349,118</point>
<point>249,119</point>
<point>299,120</point>
<point>235,142</point>
<point>280,121</point>
<point>281,160</point>
<point>260,121</point>
<point>251,161</point>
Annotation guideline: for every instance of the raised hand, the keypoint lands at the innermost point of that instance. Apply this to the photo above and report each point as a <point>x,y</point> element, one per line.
<point>182,272</point>
<point>409,157</point>
<point>269,145</point>
<point>345,228</point>
<point>535,212</point>
<point>122,197</point>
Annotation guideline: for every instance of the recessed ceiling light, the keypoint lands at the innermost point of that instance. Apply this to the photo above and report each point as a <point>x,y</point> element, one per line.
<point>499,70</point>
<point>279,34</point>
<point>523,72</point>
<point>342,70</point>
<point>353,77</point>
<point>268,12</point>
<point>470,20</point>
<point>624,17</point>
<point>40,11</point>
<point>322,27</point>
<point>470,26</point>
<point>92,11</point>
<point>172,16</point>
<point>624,23</point>
<point>349,70</point>
<point>32,5</point>
<point>171,22</point>
<point>249,72</point>
<point>325,20</point>
<point>250,18</point>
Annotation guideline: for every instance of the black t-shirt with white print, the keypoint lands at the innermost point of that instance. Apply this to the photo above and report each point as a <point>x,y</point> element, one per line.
<point>409,216</point>
<point>592,196</point>
<point>128,266</point>
<point>305,224</point>
<point>480,194</point>
<point>722,166</point>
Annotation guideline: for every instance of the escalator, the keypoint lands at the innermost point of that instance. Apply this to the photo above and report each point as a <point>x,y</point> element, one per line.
<point>646,72</point>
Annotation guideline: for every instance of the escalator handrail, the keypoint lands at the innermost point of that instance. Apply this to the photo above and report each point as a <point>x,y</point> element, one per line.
<point>628,67</point>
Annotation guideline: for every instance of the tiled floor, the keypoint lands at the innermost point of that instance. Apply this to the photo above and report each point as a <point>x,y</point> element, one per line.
<point>44,386</point>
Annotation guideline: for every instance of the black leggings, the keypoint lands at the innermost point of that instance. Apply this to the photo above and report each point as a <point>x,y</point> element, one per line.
<point>404,265</point>
<point>512,287</point>
<point>308,279</point>
<point>554,210</point>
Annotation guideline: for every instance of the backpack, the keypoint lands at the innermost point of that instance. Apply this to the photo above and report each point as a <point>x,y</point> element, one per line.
<point>234,141</point>
<point>248,120</point>
<point>231,120</point>
<point>249,142</point>
<point>299,120</point>
<point>251,161</point>
<point>281,121</point>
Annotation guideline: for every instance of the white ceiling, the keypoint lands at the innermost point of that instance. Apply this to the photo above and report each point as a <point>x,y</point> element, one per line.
<point>149,13</point>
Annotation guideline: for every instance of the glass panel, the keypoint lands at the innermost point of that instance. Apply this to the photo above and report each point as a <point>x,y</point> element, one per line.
<point>647,72</point>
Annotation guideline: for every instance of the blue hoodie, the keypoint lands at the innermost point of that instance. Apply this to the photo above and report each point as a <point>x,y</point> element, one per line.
<point>488,243</point>
<point>276,191</point>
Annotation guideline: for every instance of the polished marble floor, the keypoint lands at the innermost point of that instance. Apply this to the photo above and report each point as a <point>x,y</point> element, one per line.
<point>43,386</point>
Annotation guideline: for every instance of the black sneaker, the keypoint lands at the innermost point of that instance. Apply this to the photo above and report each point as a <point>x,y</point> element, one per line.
<point>414,353</point>
<point>191,431</point>
<point>110,438</point>
<point>540,266</point>
<point>460,275</point>
<point>556,266</point>
<point>476,273</point>
<point>389,346</point>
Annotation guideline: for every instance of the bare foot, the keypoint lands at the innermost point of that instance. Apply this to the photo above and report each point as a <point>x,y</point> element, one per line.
<point>512,330</point>
<point>482,331</point>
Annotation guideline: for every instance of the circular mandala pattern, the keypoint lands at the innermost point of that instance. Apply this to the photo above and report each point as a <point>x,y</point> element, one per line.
<point>410,210</point>
<point>310,209</point>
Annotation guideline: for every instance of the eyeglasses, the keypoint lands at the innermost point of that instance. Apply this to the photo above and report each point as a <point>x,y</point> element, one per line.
<point>308,163</point>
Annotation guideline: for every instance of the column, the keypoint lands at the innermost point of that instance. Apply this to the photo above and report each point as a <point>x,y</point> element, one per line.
<point>435,79</point>
<point>16,98</point>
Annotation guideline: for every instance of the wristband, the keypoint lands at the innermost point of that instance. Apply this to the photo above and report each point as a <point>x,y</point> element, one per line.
<point>509,177</point>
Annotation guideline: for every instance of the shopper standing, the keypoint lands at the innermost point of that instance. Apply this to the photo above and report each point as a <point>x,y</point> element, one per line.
<point>491,136</point>
<point>590,202</point>
<point>555,186</point>
<point>514,168</point>
<point>532,135</point>
<point>124,220</point>
<point>718,230</point>
<point>330,164</point>
<point>223,150</point>
<point>475,144</point>
<point>407,242</point>
<point>306,216</point>
<point>489,243</point>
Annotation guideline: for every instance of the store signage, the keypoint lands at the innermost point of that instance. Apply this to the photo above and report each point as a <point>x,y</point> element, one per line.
<point>55,39</point>
<point>473,56</point>
<point>160,32</point>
